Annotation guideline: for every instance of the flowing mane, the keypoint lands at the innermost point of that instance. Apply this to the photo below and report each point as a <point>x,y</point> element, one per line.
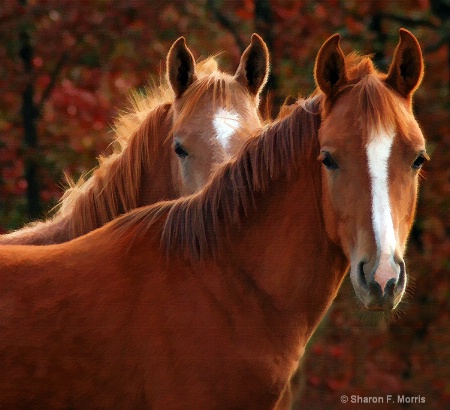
<point>196,225</point>
<point>115,185</point>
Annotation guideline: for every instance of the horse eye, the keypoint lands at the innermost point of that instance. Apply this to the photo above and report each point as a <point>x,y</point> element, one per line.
<point>180,151</point>
<point>328,162</point>
<point>418,162</point>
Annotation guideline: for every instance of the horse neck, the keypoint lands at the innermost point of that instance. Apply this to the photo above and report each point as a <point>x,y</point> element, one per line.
<point>285,263</point>
<point>286,250</point>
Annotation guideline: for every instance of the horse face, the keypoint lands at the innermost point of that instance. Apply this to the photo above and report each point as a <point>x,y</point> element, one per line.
<point>212,134</point>
<point>213,114</point>
<point>372,150</point>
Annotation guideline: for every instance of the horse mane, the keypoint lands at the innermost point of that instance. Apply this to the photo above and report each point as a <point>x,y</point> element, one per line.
<point>113,187</point>
<point>197,225</point>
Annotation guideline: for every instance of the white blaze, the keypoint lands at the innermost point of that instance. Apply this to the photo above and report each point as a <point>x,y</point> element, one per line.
<point>378,153</point>
<point>225,124</point>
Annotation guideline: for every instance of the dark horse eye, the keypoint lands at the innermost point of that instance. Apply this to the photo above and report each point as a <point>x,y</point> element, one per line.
<point>328,162</point>
<point>418,162</point>
<point>180,151</point>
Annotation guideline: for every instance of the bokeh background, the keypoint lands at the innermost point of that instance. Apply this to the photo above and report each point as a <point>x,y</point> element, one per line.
<point>68,67</point>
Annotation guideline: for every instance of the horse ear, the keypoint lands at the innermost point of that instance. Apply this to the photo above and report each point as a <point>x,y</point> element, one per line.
<point>253,69</point>
<point>180,67</point>
<point>406,70</point>
<point>329,71</point>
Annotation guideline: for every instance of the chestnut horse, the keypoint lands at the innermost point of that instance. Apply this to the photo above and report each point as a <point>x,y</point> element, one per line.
<point>207,302</point>
<point>201,109</point>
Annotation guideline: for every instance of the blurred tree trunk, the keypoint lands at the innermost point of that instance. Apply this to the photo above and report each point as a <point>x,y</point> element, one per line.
<point>226,22</point>
<point>29,113</point>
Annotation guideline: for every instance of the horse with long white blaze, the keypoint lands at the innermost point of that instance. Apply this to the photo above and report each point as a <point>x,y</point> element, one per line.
<point>207,302</point>
<point>170,144</point>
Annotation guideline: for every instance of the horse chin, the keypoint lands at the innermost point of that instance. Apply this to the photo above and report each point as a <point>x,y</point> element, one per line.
<point>370,294</point>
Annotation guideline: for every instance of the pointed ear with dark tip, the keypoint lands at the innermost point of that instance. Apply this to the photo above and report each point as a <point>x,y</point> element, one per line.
<point>180,67</point>
<point>406,70</point>
<point>253,68</point>
<point>329,71</point>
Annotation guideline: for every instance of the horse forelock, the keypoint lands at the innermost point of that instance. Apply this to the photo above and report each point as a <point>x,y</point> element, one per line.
<point>379,108</point>
<point>216,88</point>
<point>358,66</point>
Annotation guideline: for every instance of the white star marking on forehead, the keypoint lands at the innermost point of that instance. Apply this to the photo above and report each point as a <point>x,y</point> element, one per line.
<point>225,124</point>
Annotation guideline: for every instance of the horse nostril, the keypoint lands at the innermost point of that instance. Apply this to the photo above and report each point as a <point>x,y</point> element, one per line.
<point>401,275</point>
<point>390,286</point>
<point>375,290</point>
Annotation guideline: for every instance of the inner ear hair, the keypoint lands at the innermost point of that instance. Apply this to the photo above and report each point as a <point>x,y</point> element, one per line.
<point>406,71</point>
<point>253,68</point>
<point>330,72</point>
<point>180,67</point>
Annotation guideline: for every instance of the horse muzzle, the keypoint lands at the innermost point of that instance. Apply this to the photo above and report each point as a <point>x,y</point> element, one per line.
<point>383,288</point>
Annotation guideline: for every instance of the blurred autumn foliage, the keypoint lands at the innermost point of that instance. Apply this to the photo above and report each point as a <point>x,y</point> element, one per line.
<point>66,67</point>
